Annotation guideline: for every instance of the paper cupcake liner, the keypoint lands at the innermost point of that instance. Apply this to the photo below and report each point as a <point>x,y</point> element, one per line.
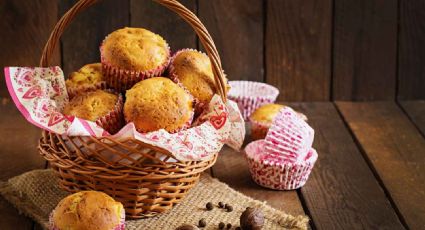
<point>114,120</point>
<point>73,91</point>
<point>277,174</point>
<point>120,226</point>
<point>258,129</point>
<point>289,135</point>
<point>251,95</point>
<point>122,79</point>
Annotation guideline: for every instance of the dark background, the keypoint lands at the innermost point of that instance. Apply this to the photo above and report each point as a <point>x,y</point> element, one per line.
<point>313,50</point>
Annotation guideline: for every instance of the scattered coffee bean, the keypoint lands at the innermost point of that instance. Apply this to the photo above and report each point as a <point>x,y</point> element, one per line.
<point>229,208</point>
<point>238,228</point>
<point>221,204</point>
<point>229,226</point>
<point>209,206</point>
<point>221,225</point>
<point>202,223</point>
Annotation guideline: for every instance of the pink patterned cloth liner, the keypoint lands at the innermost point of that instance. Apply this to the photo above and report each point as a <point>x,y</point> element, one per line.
<point>251,95</point>
<point>40,95</point>
<point>289,137</point>
<point>277,173</point>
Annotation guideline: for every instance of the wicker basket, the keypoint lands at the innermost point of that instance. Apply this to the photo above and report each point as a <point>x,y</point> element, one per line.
<point>147,186</point>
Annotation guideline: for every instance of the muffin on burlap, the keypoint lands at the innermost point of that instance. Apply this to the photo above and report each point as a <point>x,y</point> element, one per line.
<point>88,210</point>
<point>193,70</point>
<point>102,107</point>
<point>262,118</point>
<point>130,55</point>
<point>158,103</point>
<point>87,78</point>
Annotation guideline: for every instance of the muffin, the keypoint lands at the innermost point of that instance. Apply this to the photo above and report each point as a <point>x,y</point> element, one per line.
<point>88,78</point>
<point>88,210</point>
<point>262,118</point>
<point>158,103</point>
<point>130,55</point>
<point>102,107</point>
<point>193,70</point>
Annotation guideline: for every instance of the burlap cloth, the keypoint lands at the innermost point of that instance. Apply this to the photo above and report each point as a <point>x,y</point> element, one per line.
<point>36,193</point>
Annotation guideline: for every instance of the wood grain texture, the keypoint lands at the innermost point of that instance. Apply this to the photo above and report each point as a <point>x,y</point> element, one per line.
<point>365,50</point>
<point>416,111</point>
<point>237,29</point>
<point>396,149</point>
<point>411,50</point>
<point>342,192</point>
<point>25,28</point>
<point>81,40</point>
<point>232,169</point>
<point>152,16</point>
<point>298,48</point>
<point>18,154</point>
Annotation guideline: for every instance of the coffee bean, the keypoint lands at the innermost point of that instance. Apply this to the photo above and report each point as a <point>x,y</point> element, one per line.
<point>221,204</point>
<point>229,226</point>
<point>229,208</point>
<point>238,228</point>
<point>209,206</point>
<point>221,225</point>
<point>202,223</point>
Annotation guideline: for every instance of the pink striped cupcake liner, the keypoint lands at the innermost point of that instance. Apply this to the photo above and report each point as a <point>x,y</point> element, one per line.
<point>259,129</point>
<point>289,136</point>
<point>114,120</point>
<point>277,173</point>
<point>250,95</point>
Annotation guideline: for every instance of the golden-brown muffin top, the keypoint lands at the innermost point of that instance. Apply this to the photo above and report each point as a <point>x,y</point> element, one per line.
<point>193,70</point>
<point>87,210</point>
<point>135,49</point>
<point>158,103</point>
<point>88,75</point>
<point>266,113</point>
<point>92,105</point>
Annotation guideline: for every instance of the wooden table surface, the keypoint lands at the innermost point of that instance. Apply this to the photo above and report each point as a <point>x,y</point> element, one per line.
<point>369,175</point>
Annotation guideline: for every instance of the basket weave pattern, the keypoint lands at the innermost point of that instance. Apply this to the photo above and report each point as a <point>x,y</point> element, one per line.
<point>148,180</point>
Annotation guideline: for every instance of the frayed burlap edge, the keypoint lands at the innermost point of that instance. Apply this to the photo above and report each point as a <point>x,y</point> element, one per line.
<point>207,187</point>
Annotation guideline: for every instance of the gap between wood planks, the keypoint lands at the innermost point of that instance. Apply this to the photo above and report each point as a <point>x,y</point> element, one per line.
<point>394,149</point>
<point>370,164</point>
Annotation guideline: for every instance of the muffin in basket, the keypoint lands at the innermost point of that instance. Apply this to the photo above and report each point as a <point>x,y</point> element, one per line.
<point>262,118</point>
<point>88,210</point>
<point>105,108</point>
<point>158,103</point>
<point>130,55</point>
<point>87,78</point>
<point>193,70</point>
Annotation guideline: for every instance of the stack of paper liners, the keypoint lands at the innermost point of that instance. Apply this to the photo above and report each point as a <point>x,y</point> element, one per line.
<point>285,159</point>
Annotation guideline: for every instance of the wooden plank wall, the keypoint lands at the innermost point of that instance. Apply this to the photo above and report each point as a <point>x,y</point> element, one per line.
<point>312,50</point>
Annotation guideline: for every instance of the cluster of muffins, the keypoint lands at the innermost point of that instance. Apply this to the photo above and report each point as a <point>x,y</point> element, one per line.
<point>139,81</point>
